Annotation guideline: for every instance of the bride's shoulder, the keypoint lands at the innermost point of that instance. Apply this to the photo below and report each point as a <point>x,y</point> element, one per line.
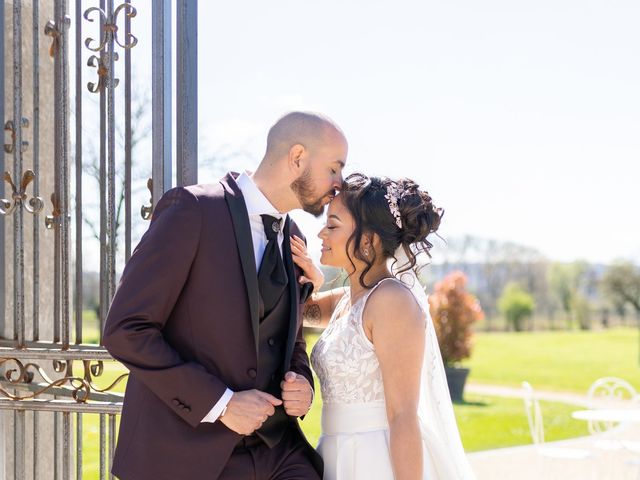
<point>392,299</point>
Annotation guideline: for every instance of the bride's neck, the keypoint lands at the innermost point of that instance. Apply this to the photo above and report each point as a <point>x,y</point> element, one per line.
<point>371,278</point>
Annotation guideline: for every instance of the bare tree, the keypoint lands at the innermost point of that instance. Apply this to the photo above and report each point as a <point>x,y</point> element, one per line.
<point>140,131</point>
<point>621,284</point>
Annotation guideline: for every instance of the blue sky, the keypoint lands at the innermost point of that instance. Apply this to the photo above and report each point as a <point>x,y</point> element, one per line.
<point>521,118</point>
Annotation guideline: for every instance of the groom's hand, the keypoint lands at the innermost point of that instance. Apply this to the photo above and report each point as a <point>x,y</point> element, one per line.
<point>248,410</point>
<point>297,394</point>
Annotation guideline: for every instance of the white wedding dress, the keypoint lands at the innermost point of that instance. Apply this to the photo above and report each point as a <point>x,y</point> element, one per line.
<point>355,433</point>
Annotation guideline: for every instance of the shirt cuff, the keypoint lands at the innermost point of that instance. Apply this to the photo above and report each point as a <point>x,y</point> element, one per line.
<point>217,409</point>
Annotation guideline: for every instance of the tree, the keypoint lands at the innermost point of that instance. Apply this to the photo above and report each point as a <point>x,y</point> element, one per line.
<point>454,310</point>
<point>582,311</point>
<point>490,264</point>
<point>216,163</point>
<point>621,283</point>
<point>140,132</point>
<point>516,304</point>
<point>567,280</point>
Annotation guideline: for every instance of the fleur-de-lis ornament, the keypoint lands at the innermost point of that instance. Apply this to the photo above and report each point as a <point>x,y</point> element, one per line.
<point>19,195</point>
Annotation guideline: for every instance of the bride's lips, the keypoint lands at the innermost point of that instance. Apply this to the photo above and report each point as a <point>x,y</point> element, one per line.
<point>325,249</point>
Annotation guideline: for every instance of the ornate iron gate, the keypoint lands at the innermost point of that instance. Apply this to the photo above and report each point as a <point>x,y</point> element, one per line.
<point>59,400</point>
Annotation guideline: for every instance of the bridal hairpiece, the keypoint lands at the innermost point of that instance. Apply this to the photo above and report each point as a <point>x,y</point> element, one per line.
<point>393,195</point>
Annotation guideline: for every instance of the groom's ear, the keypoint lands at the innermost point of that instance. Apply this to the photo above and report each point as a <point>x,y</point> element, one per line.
<point>297,154</point>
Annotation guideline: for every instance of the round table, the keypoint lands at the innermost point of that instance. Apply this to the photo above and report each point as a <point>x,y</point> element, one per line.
<point>618,415</point>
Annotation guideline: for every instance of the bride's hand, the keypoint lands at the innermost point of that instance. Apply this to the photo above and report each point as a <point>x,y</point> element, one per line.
<point>311,273</point>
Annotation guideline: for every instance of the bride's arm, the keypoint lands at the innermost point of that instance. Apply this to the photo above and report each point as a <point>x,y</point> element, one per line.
<point>395,324</point>
<point>320,306</point>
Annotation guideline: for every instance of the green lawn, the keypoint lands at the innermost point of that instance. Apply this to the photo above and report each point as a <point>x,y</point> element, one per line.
<point>562,361</point>
<point>493,422</point>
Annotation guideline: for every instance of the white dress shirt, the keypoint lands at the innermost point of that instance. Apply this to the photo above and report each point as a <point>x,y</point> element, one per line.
<point>257,204</point>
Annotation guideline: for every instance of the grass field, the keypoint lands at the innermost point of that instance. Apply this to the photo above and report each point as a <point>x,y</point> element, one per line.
<point>560,361</point>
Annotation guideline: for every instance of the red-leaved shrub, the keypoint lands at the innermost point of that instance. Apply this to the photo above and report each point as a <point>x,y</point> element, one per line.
<point>454,310</point>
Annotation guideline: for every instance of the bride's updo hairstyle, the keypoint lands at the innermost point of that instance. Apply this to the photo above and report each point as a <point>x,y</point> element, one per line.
<point>397,211</point>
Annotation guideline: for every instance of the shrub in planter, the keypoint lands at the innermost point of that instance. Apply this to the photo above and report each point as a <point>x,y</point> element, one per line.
<point>454,310</point>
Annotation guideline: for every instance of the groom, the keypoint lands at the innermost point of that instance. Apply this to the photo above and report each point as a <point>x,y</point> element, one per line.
<point>207,319</point>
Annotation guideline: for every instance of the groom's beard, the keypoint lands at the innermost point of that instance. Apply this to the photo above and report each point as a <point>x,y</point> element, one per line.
<point>303,188</point>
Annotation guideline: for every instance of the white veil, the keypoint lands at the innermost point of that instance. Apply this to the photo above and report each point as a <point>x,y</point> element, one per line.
<point>438,422</point>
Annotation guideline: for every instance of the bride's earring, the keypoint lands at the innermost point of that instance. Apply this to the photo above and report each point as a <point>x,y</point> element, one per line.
<point>366,252</point>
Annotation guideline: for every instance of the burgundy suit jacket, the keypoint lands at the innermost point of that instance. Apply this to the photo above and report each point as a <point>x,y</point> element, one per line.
<point>184,320</point>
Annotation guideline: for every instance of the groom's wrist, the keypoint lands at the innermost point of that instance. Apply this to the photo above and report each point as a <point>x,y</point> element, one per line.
<point>219,408</point>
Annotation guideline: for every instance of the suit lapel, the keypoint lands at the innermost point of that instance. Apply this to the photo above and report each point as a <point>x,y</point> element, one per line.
<point>294,293</point>
<point>242,230</point>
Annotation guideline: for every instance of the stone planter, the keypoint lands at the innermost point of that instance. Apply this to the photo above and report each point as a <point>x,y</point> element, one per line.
<point>456,378</point>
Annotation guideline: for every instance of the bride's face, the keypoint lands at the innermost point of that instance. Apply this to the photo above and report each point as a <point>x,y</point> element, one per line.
<point>335,234</point>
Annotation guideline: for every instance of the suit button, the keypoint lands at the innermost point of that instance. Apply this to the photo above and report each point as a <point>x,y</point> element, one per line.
<point>252,373</point>
<point>175,402</point>
<point>187,409</point>
<point>271,342</point>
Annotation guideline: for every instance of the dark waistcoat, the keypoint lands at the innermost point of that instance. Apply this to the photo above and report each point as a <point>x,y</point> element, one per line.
<point>272,339</point>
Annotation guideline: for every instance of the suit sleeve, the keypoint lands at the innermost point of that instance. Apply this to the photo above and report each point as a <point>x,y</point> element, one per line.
<point>300,359</point>
<point>149,288</point>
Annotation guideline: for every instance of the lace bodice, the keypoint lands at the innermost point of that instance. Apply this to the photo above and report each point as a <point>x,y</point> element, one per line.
<point>344,358</point>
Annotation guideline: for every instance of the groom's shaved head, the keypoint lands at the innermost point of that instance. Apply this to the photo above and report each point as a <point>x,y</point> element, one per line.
<point>302,167</point>
<point>304,128</point>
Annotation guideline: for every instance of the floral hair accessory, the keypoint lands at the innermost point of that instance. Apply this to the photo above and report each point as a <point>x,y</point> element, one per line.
<point>393,195</point>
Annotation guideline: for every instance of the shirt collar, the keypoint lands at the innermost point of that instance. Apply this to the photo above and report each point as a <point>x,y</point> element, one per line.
<point>257,203</point>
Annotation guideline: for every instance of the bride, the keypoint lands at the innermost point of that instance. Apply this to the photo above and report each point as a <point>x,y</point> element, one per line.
<point>387,413</point>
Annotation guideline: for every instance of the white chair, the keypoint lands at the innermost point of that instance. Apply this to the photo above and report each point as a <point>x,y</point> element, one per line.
<point>607,391</point>
<point>536,426</point>
<point>611,391</point>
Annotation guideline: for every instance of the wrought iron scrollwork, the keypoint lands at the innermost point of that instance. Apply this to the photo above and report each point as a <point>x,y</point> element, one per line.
<point>110,32</point>
<point>19,196</point>
<point>52,30</point>
<point>101,65</point>
<point>147,210</point>
<point>53,220</point>
<point>10,128</point>
<point>80,387</point>
<point>93,370</point>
